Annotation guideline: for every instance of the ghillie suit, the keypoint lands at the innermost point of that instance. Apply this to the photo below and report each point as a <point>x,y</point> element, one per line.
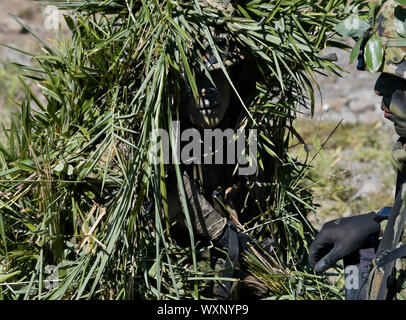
<point>79,190</point>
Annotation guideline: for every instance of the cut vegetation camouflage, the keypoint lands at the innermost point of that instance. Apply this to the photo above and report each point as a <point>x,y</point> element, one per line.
<point>77,189</point>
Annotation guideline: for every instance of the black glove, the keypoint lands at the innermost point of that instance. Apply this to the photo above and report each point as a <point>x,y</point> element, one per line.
<point>340,237</point>
<point>236,243</point>
<point>233,241</point>
<point>241,239</point>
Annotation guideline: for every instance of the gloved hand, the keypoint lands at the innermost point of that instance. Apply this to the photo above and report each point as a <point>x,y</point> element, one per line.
<point>340,237</point>
<point>234,242</point>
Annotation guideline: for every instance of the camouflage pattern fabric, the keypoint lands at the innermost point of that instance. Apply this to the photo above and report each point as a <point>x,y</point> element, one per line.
<point>400,284</point>
<point>224,5</point>
<point>393,42</point>
<point>206,221</point>
<point>399,154</point>
<point>394,63</point>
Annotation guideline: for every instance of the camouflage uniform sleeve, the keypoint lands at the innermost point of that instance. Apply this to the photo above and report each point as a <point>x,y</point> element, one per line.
<point>399,154</point>
<point>206,221</point>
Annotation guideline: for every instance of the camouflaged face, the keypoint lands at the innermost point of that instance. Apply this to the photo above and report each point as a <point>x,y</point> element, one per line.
<point>394,45</point>
<point>228,50</point>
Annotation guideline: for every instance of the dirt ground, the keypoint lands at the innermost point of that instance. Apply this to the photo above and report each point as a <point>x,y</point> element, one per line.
<point>30,13</point>
<point>13,34</point>
<point>356,160</point>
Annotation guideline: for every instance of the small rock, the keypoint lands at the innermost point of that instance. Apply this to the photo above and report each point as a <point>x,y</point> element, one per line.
<point>337,104</point>
<point>360,106</point>
<point>8,24</point>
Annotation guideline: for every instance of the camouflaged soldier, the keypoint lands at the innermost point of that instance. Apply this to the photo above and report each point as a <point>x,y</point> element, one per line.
<point>391,84</point>
<point>342,237</point>
<point>214,193</point>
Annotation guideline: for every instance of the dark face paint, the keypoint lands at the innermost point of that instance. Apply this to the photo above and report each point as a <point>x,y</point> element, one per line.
<point>393,92</point>
<point>213,101</point>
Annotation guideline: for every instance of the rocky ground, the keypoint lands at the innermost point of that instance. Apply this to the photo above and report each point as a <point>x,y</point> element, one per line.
<point>355,161</point>
<point>358,153</point>
<point>350,97</point>
<point>31,14</point>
